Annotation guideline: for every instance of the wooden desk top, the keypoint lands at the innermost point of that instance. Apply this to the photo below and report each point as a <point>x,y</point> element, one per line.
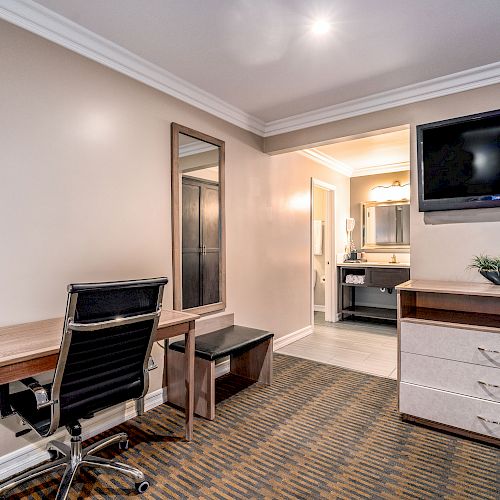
<point>43,338</point>
<point>451,287</point>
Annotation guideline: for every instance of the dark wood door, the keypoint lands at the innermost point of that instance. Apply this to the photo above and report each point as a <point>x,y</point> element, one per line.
<point>211,243</point>
<point>200,243</point>
<point>191,245</point>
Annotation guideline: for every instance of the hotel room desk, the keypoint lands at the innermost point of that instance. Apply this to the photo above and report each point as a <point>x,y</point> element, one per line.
<point>32,348</point>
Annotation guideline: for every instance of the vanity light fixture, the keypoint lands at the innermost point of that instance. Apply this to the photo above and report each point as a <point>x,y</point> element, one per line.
<point>394,192</point>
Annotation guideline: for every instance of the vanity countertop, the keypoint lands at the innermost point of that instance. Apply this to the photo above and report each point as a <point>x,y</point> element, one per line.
<point>373,264</point>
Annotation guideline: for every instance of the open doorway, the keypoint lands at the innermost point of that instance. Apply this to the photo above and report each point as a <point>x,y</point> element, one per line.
<point>357,329</point>
<point>323,268</point>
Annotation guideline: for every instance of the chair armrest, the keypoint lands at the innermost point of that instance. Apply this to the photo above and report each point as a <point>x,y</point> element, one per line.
<point>41,396</point>
<point>151,364</point>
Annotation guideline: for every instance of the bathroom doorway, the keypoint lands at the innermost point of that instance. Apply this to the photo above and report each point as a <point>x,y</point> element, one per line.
<point>323,268</point>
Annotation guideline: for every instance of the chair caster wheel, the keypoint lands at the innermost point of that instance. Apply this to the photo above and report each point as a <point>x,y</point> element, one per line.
<point>141,487</point>
<point>54,455</point>
<point>123,445</point>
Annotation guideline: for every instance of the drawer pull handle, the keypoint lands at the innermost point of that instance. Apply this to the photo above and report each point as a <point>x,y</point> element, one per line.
<point>488,385</point>
<point>489,421</point>
<point>483,349</point>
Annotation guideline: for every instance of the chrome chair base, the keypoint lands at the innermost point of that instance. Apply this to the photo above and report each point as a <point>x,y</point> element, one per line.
<point>75,457</point>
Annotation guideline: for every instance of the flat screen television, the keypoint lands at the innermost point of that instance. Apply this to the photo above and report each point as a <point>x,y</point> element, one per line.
<point>459,163</point>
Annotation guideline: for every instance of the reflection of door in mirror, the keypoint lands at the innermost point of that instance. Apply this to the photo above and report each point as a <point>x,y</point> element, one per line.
<point>386,225</point>
<point>197,177</point>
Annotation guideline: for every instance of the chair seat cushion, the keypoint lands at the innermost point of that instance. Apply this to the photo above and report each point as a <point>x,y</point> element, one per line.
<point>231,340</point>
<point>73,408</point>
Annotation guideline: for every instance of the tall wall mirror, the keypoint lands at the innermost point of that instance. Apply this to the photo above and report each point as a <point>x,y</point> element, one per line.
<point>386,226</point>
<point>198,221</point>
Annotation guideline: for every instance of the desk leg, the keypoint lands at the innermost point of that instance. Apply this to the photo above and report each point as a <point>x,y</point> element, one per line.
<point>5,409</point>
<point>189,381</point>
<point>139,407</point>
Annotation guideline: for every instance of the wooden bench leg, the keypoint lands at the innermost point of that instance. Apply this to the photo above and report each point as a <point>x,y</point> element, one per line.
<point>255,364</point>
<point>204,384</point>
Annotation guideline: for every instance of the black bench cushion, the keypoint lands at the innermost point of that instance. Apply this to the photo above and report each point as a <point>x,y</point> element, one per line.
<point>231,340</point>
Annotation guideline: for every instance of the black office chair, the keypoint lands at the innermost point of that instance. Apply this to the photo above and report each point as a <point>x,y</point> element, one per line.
<point>109,330</point>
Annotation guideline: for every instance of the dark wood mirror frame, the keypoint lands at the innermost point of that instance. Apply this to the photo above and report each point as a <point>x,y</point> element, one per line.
<point>177,129</point>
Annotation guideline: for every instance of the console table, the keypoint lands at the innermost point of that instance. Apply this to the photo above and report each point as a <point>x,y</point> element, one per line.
<point>376,275</point>
<point>449,356</point>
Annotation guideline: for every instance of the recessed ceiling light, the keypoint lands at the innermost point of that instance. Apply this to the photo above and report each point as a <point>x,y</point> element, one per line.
<point>320,26</point>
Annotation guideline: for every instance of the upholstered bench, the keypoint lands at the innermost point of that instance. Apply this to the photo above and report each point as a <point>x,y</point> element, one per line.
<point>251,357</point>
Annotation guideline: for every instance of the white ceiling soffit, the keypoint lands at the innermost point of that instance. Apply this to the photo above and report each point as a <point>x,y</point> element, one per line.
<point>46,23</point>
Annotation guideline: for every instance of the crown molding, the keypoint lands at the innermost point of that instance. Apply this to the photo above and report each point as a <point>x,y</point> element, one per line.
<point>381,169</point>
<point>195,148</point>
<point>346,169</point>
<point>56,28</point>
<point>481,76</point>
<point>327,161</point>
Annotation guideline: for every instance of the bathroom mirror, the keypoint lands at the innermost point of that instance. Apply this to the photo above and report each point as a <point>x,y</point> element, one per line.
<point>198,221</point>
<point>386,226</point>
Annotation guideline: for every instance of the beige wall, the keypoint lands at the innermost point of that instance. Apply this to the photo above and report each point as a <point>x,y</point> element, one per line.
<point>85,195</point>
<point>440,252</point>
<point>199,160</point>
<point>270,236</point>
<point>360,193</point>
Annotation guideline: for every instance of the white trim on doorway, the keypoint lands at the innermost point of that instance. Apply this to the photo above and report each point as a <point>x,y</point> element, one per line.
<point>330,307</point>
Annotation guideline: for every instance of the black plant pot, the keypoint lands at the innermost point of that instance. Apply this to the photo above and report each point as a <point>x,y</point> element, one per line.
<point>493,276</point>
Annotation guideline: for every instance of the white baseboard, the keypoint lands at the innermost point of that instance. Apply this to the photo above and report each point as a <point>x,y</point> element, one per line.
<point>292,337</point>
<point>33,454</point>
<point>318,308</point>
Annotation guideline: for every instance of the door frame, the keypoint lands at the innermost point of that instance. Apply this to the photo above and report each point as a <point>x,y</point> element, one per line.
<point>331,303</point>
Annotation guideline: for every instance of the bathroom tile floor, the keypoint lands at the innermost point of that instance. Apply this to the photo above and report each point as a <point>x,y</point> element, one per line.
<point>361,346</point>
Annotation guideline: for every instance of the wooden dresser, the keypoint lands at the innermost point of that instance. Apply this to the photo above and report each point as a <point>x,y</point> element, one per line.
<point>449,356</point>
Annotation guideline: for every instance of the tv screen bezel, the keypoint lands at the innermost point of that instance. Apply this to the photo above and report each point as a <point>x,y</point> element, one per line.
<point>448,203</point>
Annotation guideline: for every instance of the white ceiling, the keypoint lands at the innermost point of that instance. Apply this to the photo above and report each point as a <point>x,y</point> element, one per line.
<point>261,57</point>
<point>381,152</point>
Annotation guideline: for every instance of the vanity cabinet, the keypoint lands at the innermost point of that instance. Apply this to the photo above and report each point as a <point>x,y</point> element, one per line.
<point>449,356</point>
<point>383,277</point>
<point>376,276</point>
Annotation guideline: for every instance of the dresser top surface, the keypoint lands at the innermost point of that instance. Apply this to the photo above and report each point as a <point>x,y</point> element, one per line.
<point>451,287</point>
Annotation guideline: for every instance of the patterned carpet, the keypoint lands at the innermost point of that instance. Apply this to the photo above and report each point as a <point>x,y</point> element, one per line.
<point>318,432</point>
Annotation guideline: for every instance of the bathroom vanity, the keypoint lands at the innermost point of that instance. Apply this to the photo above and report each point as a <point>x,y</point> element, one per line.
<point>380,276</point>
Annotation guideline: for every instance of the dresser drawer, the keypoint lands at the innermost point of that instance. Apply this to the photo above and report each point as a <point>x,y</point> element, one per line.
<point>470,346</point>
<point>448,408</point>
<point>454,376</point>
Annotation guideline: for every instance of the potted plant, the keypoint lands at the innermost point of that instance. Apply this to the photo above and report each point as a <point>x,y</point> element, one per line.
<point>489,267</point>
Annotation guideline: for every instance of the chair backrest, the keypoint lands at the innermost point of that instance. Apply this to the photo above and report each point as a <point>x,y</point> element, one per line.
<point>108,333</point>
